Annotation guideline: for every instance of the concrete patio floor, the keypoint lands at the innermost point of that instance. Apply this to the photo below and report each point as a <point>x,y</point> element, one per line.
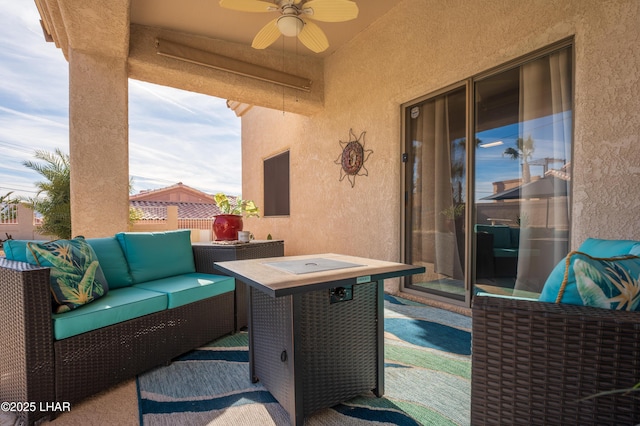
<point>115,406</point>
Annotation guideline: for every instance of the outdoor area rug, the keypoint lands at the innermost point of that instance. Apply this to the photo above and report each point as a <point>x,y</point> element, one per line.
<point>427,379</point>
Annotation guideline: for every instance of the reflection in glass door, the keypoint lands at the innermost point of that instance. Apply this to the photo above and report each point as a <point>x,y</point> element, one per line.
<point>436,193</point>
<point>492,216</point>
<point>523,125</point>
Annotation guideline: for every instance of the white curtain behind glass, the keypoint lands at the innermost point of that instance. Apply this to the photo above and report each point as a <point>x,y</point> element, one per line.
<point>545,90</point>
<point>434,238</point>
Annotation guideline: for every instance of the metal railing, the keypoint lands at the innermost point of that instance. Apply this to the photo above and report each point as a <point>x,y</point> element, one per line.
<point>8,214</point>
<point>195,224</point>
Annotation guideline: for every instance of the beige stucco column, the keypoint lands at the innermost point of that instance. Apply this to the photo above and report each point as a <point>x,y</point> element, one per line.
<point>98,144</point>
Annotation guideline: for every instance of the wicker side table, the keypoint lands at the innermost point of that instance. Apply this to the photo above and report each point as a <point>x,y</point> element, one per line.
<point>205,254</point>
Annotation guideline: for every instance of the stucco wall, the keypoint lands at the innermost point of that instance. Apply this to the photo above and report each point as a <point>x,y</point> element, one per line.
<point>23,228</point>
<point>425,45</point>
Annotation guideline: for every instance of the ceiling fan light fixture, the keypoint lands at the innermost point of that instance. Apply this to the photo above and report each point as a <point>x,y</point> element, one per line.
<point>296,19</point>
<point>290,25</point>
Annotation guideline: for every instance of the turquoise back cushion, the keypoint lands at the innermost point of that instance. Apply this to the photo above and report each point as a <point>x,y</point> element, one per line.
<point>108,251</point>
<point>593,247</point>
<point>155,255</point>
<point>17,249</point>
<point>112,261</point>
<point>515,237</point>
<point>501,234</point>
<point>607,248</point>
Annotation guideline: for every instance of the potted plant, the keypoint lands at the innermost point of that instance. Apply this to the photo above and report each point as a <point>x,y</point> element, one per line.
<point>227,224</point>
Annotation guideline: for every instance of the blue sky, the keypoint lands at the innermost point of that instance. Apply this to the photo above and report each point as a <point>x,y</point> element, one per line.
<point>174,135</point>
<point>493,165</point>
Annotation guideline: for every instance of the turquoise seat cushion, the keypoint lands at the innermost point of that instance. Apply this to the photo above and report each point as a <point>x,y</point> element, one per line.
<point>187,288</point>
<point>505,296</point>
<point>592,246</point>
<point>118,305</point>
<point>155,255</point>
<point>112,261</point>
<point>17,249</point>
<point>76,277</point>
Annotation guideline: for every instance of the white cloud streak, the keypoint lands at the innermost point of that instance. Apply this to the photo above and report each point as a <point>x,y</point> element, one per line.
<point>174,136</point>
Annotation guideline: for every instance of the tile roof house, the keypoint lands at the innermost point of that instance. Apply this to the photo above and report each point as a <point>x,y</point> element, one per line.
<point>174,193</point>
<point>192,203</point>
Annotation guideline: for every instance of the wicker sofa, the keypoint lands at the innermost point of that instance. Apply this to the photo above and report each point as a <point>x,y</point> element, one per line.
<point>36,366</point>
<point>534,362</point>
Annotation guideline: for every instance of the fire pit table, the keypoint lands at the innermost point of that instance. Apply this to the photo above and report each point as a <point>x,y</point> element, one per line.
<point>316,326</point>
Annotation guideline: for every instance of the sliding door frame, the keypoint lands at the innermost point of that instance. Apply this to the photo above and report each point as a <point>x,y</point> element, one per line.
<point>470,210</point>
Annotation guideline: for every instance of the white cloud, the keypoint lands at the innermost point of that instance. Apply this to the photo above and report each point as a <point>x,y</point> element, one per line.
<point>174,136</point>
<point>179,136</point>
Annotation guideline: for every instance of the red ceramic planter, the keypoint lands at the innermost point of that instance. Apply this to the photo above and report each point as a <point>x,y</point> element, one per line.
<point>226,227</point>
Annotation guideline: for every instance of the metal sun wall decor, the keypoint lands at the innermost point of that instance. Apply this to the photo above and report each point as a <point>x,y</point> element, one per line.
<point>353,157</point>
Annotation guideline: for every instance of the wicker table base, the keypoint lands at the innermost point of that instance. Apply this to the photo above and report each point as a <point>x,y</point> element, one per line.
<point>311,354</point>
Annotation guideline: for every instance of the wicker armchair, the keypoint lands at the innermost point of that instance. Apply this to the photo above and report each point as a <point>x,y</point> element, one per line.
<point>533,362</point>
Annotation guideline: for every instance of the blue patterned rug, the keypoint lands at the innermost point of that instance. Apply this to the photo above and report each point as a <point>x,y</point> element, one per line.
<point>427,379</point>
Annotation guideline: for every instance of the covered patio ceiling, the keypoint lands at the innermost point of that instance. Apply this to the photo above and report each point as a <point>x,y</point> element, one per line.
<point>130,30</point>
<point>206,18</point>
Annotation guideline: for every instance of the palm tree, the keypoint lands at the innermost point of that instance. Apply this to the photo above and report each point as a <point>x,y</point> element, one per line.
<point>53,199</point>
<point>524,149</point>
<point>6,198</point>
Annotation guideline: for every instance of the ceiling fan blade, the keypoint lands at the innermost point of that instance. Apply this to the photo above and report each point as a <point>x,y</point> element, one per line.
<point>267,35</point>
<point>331,10</point>
<point>313,37</point>
<point>249,5</point>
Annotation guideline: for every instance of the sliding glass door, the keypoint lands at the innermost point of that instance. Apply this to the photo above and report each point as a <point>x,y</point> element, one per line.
<point>436,193</point>
<point>490,215</point>
<point>523,122</point>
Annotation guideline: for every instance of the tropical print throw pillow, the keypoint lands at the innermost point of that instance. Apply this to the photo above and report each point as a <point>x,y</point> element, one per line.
<point>76,277</point>
<point>609,283</point>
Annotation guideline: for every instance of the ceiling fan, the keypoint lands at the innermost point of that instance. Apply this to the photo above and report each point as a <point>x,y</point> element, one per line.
<point>294,19</point>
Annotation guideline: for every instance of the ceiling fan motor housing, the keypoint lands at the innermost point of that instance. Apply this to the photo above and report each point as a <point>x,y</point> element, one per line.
<point>290,24</point>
